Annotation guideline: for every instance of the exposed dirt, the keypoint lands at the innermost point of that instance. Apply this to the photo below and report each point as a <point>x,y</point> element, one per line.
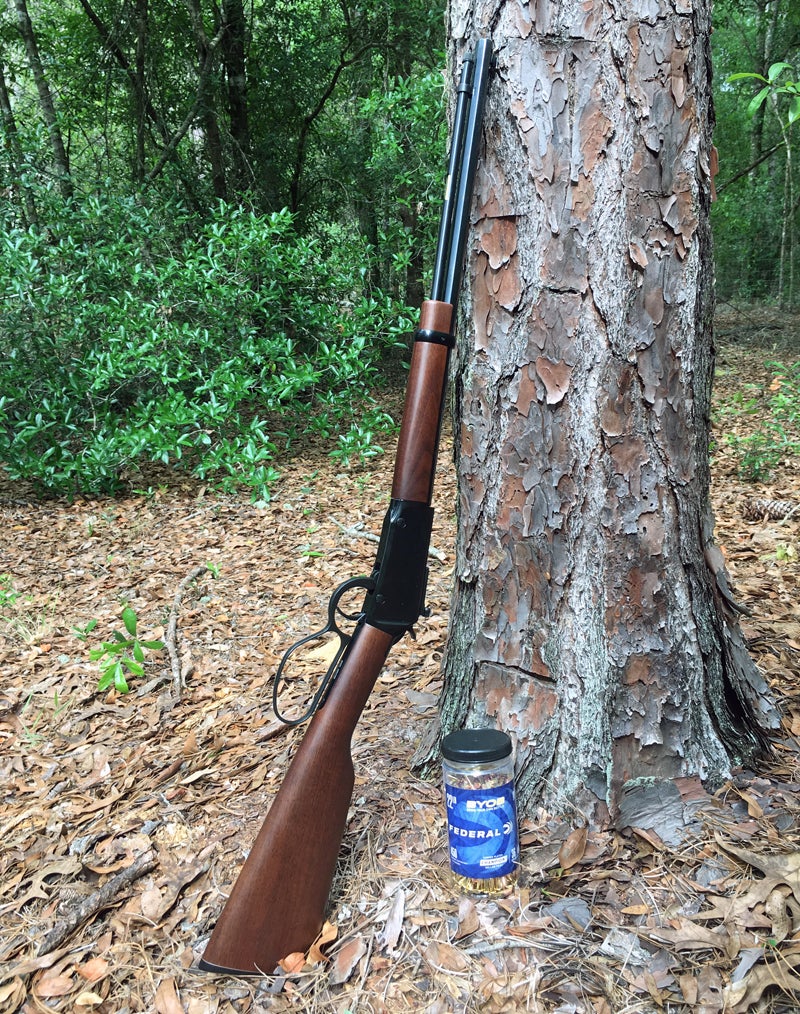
<point>125,817</point>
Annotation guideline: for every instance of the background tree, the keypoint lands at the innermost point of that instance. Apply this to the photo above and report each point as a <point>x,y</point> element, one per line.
<point>154,317</point>
<point>59,153</point>
<point>591,615</point>
<point>755,217</point>
<point>16,173</point>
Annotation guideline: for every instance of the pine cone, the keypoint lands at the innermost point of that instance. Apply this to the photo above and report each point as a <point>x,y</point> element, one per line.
<point>762,509</point>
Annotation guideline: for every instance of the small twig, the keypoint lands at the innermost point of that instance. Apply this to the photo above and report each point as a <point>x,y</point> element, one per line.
<point>171,636</point>
<point>359,533</point>
<point>96,901</point>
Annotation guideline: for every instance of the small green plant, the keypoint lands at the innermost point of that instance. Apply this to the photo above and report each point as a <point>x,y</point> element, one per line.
<point>21,617</point>
<point>30,729</point>
<point>213,354</point>
<point>777,436</point>
<point>30,726</point>
<point>125,653</point>
<point>359,441</point>
<point>7,594</point>
<point>82,633</point>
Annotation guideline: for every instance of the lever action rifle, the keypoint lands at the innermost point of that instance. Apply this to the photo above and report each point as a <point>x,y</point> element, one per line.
<point>278,902</point>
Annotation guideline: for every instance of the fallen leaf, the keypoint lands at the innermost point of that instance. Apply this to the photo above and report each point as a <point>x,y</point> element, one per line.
<point>93,969</point>
<point>741,996</point>
<point>651,837</point>
<point>684,935</point>
<point>709,991</point>
<point>688,985</point>
<point>166,999</point>
<point>754,809</point>
<point>784,867</point>
<point>468,921</point>
<point>346,959</point>
<point>545,857</point>
<point>394,921</point>
<point>327,935</point>
<point>293,962</point>
<point>12,994</point>
<point>776,909</point>
<point>88,999</point>
<point>572,848</point>
<point>445,956</point>
<point>54,985</point>
<point>151,903</point>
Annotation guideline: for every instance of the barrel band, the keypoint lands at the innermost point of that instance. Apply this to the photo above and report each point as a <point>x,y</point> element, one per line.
<point>424,334</point>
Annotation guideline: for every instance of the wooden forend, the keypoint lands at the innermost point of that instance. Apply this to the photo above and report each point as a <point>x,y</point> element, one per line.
<point>419,433</point>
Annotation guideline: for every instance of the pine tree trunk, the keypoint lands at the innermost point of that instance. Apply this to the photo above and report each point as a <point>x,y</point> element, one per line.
<point>591,616</point>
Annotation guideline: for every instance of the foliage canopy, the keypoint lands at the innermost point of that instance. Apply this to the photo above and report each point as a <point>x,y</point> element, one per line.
<point>216,214</point>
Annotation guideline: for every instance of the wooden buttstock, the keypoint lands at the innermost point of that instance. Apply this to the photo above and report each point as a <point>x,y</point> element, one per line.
<point>278,902</point>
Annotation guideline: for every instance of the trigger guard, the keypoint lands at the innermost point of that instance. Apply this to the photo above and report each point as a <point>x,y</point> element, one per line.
<point>344,640</point>
<point>333,606</point>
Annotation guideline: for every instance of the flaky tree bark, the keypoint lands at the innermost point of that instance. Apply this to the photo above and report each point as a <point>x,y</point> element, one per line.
<point>591,616</point>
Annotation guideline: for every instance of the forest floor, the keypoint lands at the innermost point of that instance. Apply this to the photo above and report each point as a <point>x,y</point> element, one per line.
<point>125,818</point>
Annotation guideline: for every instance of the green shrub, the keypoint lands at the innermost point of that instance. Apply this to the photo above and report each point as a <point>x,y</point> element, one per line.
<point>126,338</point>
<point>776,437</point>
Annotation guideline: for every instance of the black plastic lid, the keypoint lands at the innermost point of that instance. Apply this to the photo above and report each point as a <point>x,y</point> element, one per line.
<point>476,746</point>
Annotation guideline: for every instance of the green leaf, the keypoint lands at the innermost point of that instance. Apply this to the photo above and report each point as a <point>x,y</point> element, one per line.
<point>757,100</point>
<point>743,75</point>
<point>776,70</point>
<point>129,619</point>
<point>153,645</point>
<point>794,109</point>
<point>107,678</point>
<point>83,632</point>
<point>120,683</point>
<point>132,666</point>
<point>138,654</point>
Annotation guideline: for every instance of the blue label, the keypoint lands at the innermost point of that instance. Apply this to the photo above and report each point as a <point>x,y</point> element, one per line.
<point>482,830</point>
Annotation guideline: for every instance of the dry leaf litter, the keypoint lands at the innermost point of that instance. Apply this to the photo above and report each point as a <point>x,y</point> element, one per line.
<point>125,818</point>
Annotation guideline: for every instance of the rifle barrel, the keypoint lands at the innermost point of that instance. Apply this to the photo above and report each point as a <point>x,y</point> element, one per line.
<point>474,118</point>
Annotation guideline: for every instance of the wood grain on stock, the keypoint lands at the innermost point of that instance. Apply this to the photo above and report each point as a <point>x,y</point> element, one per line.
<point>419,434</point>
<point>278,903</point>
